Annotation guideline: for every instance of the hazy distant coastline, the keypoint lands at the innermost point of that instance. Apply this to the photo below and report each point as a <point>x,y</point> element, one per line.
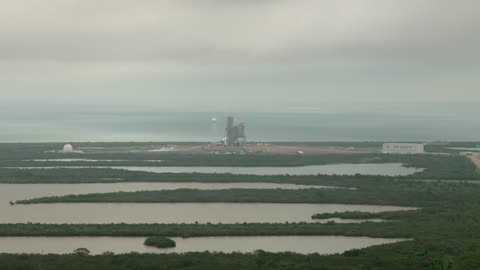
<point>62,124</point>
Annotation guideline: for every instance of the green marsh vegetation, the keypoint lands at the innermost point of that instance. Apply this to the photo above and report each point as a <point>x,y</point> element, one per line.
<point>375,192</point>
<point>160,242</point>
<point>391,257</point>
<point>437,167</point>
<point>23,155</point>
<point>444,232</point>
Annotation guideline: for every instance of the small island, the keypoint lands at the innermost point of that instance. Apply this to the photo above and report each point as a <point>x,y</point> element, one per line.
<point>160,242</point>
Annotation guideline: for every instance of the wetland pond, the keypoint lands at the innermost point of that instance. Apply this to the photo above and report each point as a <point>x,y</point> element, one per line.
<point>244,244</point>
<point>77,213</point>
<point>384,169</point>
<point>15,192</point>
<point>381,169</point>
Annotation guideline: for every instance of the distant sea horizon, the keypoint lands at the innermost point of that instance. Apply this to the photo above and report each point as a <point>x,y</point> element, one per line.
<point>87,124</point>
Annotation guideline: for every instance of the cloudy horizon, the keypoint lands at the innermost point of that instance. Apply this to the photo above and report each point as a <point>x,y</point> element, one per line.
<point>239,55</point>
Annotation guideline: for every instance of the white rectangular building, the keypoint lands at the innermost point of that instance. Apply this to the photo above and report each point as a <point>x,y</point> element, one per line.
<point>403,148</point>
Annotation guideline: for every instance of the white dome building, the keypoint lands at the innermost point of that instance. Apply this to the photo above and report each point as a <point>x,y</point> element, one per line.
<point>68,148</point>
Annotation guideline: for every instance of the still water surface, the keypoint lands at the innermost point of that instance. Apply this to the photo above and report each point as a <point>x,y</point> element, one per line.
<point>118,245</point>
<point>175,212</point>
<point>157,213</point>
<point>385,169</point>
<point>14,192</point>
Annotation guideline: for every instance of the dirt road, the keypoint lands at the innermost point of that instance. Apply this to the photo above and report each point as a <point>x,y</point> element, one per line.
<point>476,160</point>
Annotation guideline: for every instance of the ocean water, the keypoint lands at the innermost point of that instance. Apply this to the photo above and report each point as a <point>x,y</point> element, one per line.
<point>67,124</point>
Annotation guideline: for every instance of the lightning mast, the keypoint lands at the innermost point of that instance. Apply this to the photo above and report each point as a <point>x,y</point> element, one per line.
<point>214,130</point>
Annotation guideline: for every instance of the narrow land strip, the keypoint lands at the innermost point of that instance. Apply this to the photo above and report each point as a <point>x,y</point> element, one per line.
<point>476,160</point>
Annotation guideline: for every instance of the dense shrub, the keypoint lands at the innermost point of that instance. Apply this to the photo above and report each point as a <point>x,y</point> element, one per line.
<point>160,242</point>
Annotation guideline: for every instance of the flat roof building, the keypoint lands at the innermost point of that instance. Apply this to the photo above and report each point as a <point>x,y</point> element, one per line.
<point>403,148</point>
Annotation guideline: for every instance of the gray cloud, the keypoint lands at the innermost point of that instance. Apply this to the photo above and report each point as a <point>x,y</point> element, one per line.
<point>132,30</point>
<point>335,48</point>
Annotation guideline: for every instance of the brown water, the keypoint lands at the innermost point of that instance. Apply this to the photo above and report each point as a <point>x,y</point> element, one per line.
<point>15,192</point>
<point>385,169</point>
<point>118,245</point>
<point>175,212</point>
<point>161,212</point>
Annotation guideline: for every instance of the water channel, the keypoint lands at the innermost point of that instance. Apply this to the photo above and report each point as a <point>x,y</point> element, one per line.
<point>119,245</point>
<point>383,169</point>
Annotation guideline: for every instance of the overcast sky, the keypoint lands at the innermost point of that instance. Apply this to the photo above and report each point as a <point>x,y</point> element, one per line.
<point>243,55</point>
